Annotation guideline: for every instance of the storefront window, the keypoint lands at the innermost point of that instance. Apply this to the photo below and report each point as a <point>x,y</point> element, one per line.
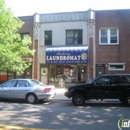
<point>59,70</point>
<point>69,73</point>
<point>66,71</point>
<point>52,73</point>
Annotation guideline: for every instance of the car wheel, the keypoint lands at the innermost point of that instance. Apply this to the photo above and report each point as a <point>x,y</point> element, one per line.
<point>78,99</point>
<point>128,100</point>
<point>31,98</point>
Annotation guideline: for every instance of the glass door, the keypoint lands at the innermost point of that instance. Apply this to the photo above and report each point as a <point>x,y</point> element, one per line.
<point>81,74</point>
<point>100,69</point>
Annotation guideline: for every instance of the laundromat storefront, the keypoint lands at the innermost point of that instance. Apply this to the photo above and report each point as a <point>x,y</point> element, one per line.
<point>69,62</point>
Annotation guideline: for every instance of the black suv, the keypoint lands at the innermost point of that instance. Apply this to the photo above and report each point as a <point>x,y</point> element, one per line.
<point>108,86</point>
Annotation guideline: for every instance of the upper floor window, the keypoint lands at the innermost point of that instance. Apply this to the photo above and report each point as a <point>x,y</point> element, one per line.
<point>108,36</point>
<point>25,35</point>
<point>48,37</point>
<point>74,37</point>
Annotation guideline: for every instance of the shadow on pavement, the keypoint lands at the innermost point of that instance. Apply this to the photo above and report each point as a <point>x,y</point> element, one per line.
<point>91,103</point>
<point>21,101</point>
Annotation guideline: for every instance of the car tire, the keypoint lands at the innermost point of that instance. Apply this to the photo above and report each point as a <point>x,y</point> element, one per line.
<point>78,99</point>
<point>31,98</point>
<point>128,100</point>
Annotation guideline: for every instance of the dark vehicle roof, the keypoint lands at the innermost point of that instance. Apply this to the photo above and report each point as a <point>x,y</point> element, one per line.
<point>109,75</point>
<point>113,74</point>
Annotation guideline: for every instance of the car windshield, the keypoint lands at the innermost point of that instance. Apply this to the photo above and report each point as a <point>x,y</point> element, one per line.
<point>95,79</point>
<point>36,82</point>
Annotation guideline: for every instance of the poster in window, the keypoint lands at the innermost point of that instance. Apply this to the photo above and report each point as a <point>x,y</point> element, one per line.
<point>66,71</point>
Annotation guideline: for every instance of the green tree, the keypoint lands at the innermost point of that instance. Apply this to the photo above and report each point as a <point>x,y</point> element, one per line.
<point>12,48</point>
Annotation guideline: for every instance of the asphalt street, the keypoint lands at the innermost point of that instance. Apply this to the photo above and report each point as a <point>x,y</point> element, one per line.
<point>61,114</point>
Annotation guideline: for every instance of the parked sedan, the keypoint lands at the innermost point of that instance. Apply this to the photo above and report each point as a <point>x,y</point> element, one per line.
<point>29,89</point>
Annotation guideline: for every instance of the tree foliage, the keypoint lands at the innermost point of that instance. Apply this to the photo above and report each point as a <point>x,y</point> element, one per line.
<point>12,48</point>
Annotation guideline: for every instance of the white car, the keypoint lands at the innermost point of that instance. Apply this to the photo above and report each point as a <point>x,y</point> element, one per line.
<point>29,89</point>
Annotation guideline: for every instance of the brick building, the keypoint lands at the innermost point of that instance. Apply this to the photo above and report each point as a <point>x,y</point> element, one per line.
<point>112,43</point>
<point>25,31</point>
<point>104,35</point>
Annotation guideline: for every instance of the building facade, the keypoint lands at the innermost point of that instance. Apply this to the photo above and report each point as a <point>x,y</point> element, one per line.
<point>80,45</point>
<point>25,31</point>
<point>64,41</point>
<point>77,45</point>
<point>112,41</point>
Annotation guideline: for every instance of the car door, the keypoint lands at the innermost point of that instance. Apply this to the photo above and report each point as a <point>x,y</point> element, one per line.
<point>6,90</point>
<point>116,86</point>
<point>21,89</point>
<point>100,87</point>
<point>125,85</point>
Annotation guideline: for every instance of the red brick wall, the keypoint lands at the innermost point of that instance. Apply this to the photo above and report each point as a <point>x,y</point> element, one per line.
<point>27,26</point>
<point>36,60</point>
<point>114,53</point>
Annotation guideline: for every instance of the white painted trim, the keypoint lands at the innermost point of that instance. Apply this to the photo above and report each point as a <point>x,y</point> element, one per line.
<point>108,36</point>
<point>123,64</point>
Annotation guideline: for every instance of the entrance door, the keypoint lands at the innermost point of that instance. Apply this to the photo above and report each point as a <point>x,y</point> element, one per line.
<point>100,69</point>
<point>81,74</point>
<point>44,73</point>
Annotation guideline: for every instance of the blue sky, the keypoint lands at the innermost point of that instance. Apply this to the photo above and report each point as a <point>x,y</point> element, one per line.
<point>29,7</point>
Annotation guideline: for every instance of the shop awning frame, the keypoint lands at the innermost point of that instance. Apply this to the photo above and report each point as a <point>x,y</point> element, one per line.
<point>67,55</point>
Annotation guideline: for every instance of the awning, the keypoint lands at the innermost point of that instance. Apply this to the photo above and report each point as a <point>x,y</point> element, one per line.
<point>67,55</point>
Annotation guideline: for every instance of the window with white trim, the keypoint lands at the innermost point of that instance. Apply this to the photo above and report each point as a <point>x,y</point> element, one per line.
<point>116,66</point>
<point>108,36</point>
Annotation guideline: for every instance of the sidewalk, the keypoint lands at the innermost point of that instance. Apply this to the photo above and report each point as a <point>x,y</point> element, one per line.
<point>60,94</point>
<point>60,91</point>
